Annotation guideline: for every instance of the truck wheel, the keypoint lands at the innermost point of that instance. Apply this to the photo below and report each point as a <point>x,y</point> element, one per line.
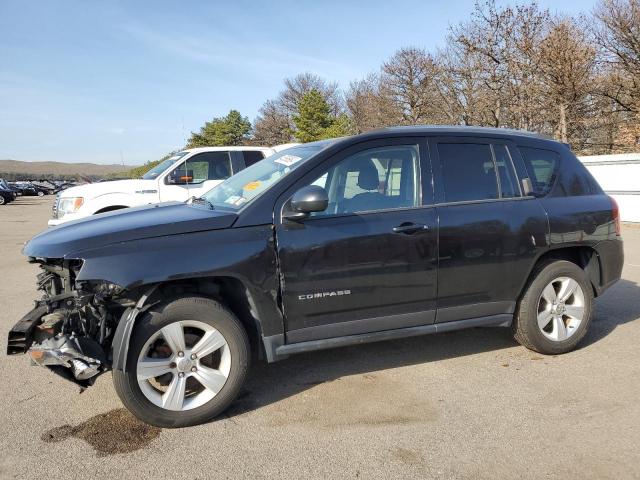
<point>187,361</point>
<point>40,193</point>
<point>555,311</point>
<point>2,200</point>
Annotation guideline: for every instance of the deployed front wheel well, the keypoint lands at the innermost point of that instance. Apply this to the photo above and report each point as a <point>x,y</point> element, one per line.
<point>229,291</point>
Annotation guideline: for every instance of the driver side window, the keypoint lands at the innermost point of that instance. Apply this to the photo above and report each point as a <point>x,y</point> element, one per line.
<point>204,166</point>
<point>376,179</point>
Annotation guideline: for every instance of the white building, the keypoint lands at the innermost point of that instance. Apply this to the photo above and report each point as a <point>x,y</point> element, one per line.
<point>619,176</point>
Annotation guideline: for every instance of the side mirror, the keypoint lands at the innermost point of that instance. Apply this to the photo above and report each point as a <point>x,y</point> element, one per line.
<point>311,198</point>
<point>180,177</point>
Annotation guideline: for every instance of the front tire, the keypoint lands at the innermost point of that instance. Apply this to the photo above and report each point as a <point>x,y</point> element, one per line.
<point>40,193</point>
<point>187,361</point>
<point>555,311</point>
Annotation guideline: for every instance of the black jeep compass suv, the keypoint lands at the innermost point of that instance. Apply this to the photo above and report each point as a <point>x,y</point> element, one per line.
<point>389,234</point>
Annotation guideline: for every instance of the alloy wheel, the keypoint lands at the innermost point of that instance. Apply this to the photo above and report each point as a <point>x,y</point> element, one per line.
<point>561,309</point>
<point>183,365</point>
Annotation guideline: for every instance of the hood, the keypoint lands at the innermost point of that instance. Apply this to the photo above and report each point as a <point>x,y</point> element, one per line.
<point>93,190</point>
<point>126,225</point>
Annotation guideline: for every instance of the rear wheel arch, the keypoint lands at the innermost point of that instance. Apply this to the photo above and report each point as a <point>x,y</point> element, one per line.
<point>585,257</point>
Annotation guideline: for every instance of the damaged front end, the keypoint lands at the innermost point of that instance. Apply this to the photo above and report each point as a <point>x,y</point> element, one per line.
<point>71,328</point>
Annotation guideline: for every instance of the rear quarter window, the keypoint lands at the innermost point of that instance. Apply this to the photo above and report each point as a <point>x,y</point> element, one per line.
<point>542,167</point>
<point>575,179</point>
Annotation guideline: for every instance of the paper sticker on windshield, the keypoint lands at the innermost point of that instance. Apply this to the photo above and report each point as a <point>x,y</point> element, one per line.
<point>235,200</point>
<point>288,160</point>
<point>252,185</point>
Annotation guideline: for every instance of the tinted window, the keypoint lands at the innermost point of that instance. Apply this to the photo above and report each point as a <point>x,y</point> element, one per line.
<point>208,166</point>
<point>575,179</point>
<point>251,157</point>
<point>542,166</point>
<point>506,174</point>
<point>375,179</point>
<point>468,172</point>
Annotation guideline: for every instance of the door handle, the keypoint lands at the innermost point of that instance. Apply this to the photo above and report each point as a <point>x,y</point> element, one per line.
<point>409,228</point>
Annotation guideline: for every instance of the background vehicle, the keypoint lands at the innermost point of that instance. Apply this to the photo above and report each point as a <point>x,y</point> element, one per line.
<point>6,195</point>
<point>186,174</point>
<point>389,234</point>
<point>26,189</point>
<point>6,186</point>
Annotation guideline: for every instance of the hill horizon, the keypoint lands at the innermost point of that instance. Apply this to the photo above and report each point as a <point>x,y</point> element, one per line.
<point>10,167</point>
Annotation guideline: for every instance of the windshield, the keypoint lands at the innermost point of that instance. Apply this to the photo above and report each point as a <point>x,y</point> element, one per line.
<point>162,166</point>
<point>243,187</point>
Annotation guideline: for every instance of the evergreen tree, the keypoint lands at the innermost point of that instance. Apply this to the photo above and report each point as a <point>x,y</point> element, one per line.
<point>314,121</point>
<point>233,129</point>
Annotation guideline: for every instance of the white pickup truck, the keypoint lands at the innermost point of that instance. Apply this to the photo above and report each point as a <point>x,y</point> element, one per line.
<point>188,173</point>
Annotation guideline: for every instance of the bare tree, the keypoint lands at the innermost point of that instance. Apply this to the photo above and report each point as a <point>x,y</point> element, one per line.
<point>618,34</point>
<point>567,67</point>
<point>408,77</point>
<point>485,40</point>
<point>464,98</point>
<point>369,106</point>
<point>501,44</point>
<point>507,66</point>
<point>272,126</point>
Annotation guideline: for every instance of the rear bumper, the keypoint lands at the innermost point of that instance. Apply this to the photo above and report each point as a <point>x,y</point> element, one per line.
<point>611,255</point>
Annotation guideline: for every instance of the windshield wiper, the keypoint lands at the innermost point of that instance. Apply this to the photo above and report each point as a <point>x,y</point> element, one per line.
<point>201,201</point>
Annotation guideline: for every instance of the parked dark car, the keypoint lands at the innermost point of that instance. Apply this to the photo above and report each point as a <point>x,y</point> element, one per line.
<point>389,234</point>
<point>4,185</point>
<point>6,195</point>
<point>42,190</point>
<point>26,189</point>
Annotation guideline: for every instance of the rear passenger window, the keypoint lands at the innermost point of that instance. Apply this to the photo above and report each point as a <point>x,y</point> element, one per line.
<point>542,167</point>
<point>508,183</point>
<point>251,157</point>
<point>468,172</point>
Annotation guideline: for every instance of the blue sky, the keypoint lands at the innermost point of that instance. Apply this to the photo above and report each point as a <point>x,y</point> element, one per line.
<point>93,81</point>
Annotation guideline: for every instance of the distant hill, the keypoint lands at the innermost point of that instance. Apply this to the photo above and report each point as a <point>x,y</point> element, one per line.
<point>15,169</point>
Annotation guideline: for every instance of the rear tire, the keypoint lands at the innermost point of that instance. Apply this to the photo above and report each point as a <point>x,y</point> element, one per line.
<point>172,340</point>
<point>555,311</point>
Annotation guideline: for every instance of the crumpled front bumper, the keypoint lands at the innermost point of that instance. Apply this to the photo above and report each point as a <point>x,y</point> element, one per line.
<point>78,359</point>
<point>22,334</point>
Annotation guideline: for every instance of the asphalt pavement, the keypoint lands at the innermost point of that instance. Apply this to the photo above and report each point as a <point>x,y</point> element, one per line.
<point>470,404</point>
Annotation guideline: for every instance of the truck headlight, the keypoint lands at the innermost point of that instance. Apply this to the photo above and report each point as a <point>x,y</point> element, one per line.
<point>69,205</point>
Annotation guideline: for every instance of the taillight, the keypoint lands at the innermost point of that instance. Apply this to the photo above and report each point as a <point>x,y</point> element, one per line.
<point>615,213</point>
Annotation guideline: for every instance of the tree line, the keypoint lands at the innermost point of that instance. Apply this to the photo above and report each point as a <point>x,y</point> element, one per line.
<point>574,78</point>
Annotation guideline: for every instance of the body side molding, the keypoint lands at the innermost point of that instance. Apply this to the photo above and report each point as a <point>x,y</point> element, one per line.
<point>282,351</point>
